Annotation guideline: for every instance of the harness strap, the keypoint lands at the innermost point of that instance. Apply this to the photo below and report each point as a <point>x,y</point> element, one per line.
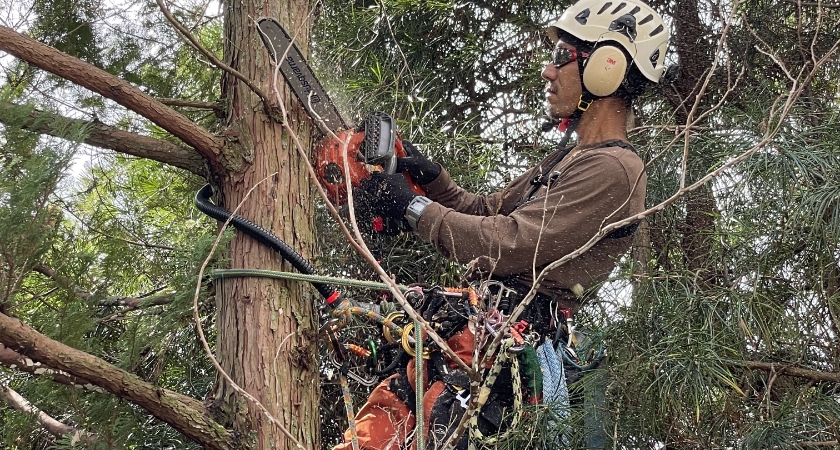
<point>548,176</point>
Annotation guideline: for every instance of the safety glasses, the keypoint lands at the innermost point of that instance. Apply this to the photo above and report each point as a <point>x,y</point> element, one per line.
<point>561,56</point>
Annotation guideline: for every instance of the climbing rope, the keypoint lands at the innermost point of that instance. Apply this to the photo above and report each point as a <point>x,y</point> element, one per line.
<point>484,393</point>
<point>348,407</point>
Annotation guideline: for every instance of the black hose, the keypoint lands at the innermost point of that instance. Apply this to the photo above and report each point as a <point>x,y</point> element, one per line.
<point>202,202</point>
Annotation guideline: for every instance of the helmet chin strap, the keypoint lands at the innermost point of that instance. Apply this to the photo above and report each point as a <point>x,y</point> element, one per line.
<point>586,99</point>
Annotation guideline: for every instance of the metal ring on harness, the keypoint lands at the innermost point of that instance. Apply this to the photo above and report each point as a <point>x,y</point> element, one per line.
<point>386,330</point>
<point>408,345</point>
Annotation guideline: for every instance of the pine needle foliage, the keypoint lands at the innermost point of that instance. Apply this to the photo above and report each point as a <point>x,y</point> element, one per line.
<point>735,276</point>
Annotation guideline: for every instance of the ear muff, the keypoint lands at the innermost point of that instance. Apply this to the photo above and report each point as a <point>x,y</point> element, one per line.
<point>604,70</point>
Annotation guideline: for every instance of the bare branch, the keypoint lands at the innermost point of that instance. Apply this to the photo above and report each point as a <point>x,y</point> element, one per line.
<point>812,4</point>
<point>216,62</point>
<point>15,361</point>
<point>788,369</point>
<point>702,92</point>
<point>130,302</point>
<point>107,137</point>
<point>116,89</point>
<point>53,426</point>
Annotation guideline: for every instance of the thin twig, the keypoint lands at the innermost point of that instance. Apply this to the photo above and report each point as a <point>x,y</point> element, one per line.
<point>702,92</point>
<point>197,45</point>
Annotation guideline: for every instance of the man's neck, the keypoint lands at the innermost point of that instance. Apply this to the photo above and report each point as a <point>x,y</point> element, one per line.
<point>605,120</point>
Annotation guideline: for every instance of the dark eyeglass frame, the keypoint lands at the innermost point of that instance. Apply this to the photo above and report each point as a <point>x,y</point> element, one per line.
<point>561,56</point>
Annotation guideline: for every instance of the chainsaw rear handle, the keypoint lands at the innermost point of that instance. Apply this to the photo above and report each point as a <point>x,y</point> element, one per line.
<point>202,202</point>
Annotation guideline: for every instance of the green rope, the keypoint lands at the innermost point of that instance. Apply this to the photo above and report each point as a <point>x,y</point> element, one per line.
<point>237,273</point>
<point>418,382</point>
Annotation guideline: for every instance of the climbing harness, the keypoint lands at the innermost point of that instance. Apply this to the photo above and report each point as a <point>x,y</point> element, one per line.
<point>514,370</point>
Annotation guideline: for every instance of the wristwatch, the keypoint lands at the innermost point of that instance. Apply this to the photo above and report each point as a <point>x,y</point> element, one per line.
<point>415,209</point>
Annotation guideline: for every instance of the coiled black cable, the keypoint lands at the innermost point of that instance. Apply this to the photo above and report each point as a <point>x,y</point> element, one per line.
<point>202,202</point>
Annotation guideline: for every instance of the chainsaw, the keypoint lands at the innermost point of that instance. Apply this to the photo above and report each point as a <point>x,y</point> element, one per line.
<point>373,145</point>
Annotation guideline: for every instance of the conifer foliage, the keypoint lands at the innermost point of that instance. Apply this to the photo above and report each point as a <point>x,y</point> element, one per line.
<point>721,323</point>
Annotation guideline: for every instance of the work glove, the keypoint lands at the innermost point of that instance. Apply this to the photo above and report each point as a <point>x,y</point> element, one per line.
<point>381,202</point>
<point>422,169</point>
<point>387,195</point>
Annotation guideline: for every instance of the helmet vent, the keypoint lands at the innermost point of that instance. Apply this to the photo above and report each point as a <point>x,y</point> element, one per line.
<point>654,58</point>
<point>646,19</point>
<point>657,30</point>
<point>619,8</point>
<point>635,10</point>
<point>604,8</point>
<point>625,25</point>
<point>582,16</point>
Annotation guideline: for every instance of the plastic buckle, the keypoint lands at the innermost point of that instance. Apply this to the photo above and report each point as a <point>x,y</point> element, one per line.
<point>583,106</point>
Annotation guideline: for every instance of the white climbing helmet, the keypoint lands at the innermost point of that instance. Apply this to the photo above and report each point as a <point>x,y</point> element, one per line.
<point>630,23</point>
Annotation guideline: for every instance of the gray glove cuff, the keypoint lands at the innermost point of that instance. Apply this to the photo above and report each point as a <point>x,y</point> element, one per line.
<point>415,210</point>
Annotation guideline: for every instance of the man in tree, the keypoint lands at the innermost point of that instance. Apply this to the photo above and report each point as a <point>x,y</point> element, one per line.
<point>605,54</point>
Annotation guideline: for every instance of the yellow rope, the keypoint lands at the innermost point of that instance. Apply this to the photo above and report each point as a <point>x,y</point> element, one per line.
<point>484,393</point>
<point>348,407</point>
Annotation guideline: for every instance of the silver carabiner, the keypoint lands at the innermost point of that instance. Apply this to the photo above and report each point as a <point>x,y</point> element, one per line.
<point>503,290</point>
<point>369,382</point>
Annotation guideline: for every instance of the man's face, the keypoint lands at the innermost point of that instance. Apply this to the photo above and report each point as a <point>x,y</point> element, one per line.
<point>562,87</point>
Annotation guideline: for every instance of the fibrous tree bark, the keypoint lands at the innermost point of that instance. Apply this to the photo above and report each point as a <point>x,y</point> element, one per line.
<point>266,328</point>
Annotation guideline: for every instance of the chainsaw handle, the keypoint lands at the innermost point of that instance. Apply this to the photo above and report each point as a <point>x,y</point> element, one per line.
<point>399,152</point>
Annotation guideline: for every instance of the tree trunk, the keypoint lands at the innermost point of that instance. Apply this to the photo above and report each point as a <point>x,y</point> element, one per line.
<point>267,329</point>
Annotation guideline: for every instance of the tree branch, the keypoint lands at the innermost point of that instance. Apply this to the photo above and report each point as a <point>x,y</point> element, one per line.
<point>788,369</point>
<point>105,136</point>
<point>109,86</point>
<point>130,303</point>
<point>53,426</point>
<point>185,414</point>
<point>14,360</point>
<point>216,62</point>
<point>214,106</point>
<point>812,4</point>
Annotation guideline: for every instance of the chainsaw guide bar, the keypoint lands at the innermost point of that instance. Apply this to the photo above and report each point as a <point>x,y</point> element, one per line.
<point>300,77</point>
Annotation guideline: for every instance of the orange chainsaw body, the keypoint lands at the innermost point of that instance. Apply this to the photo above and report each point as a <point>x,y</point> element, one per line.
<point>330,156</point>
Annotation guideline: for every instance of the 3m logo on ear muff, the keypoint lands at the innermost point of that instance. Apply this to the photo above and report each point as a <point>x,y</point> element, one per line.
<point>604,71</point>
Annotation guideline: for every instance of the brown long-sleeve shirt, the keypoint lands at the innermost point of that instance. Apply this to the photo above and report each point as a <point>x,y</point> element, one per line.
<point>510,235</point>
